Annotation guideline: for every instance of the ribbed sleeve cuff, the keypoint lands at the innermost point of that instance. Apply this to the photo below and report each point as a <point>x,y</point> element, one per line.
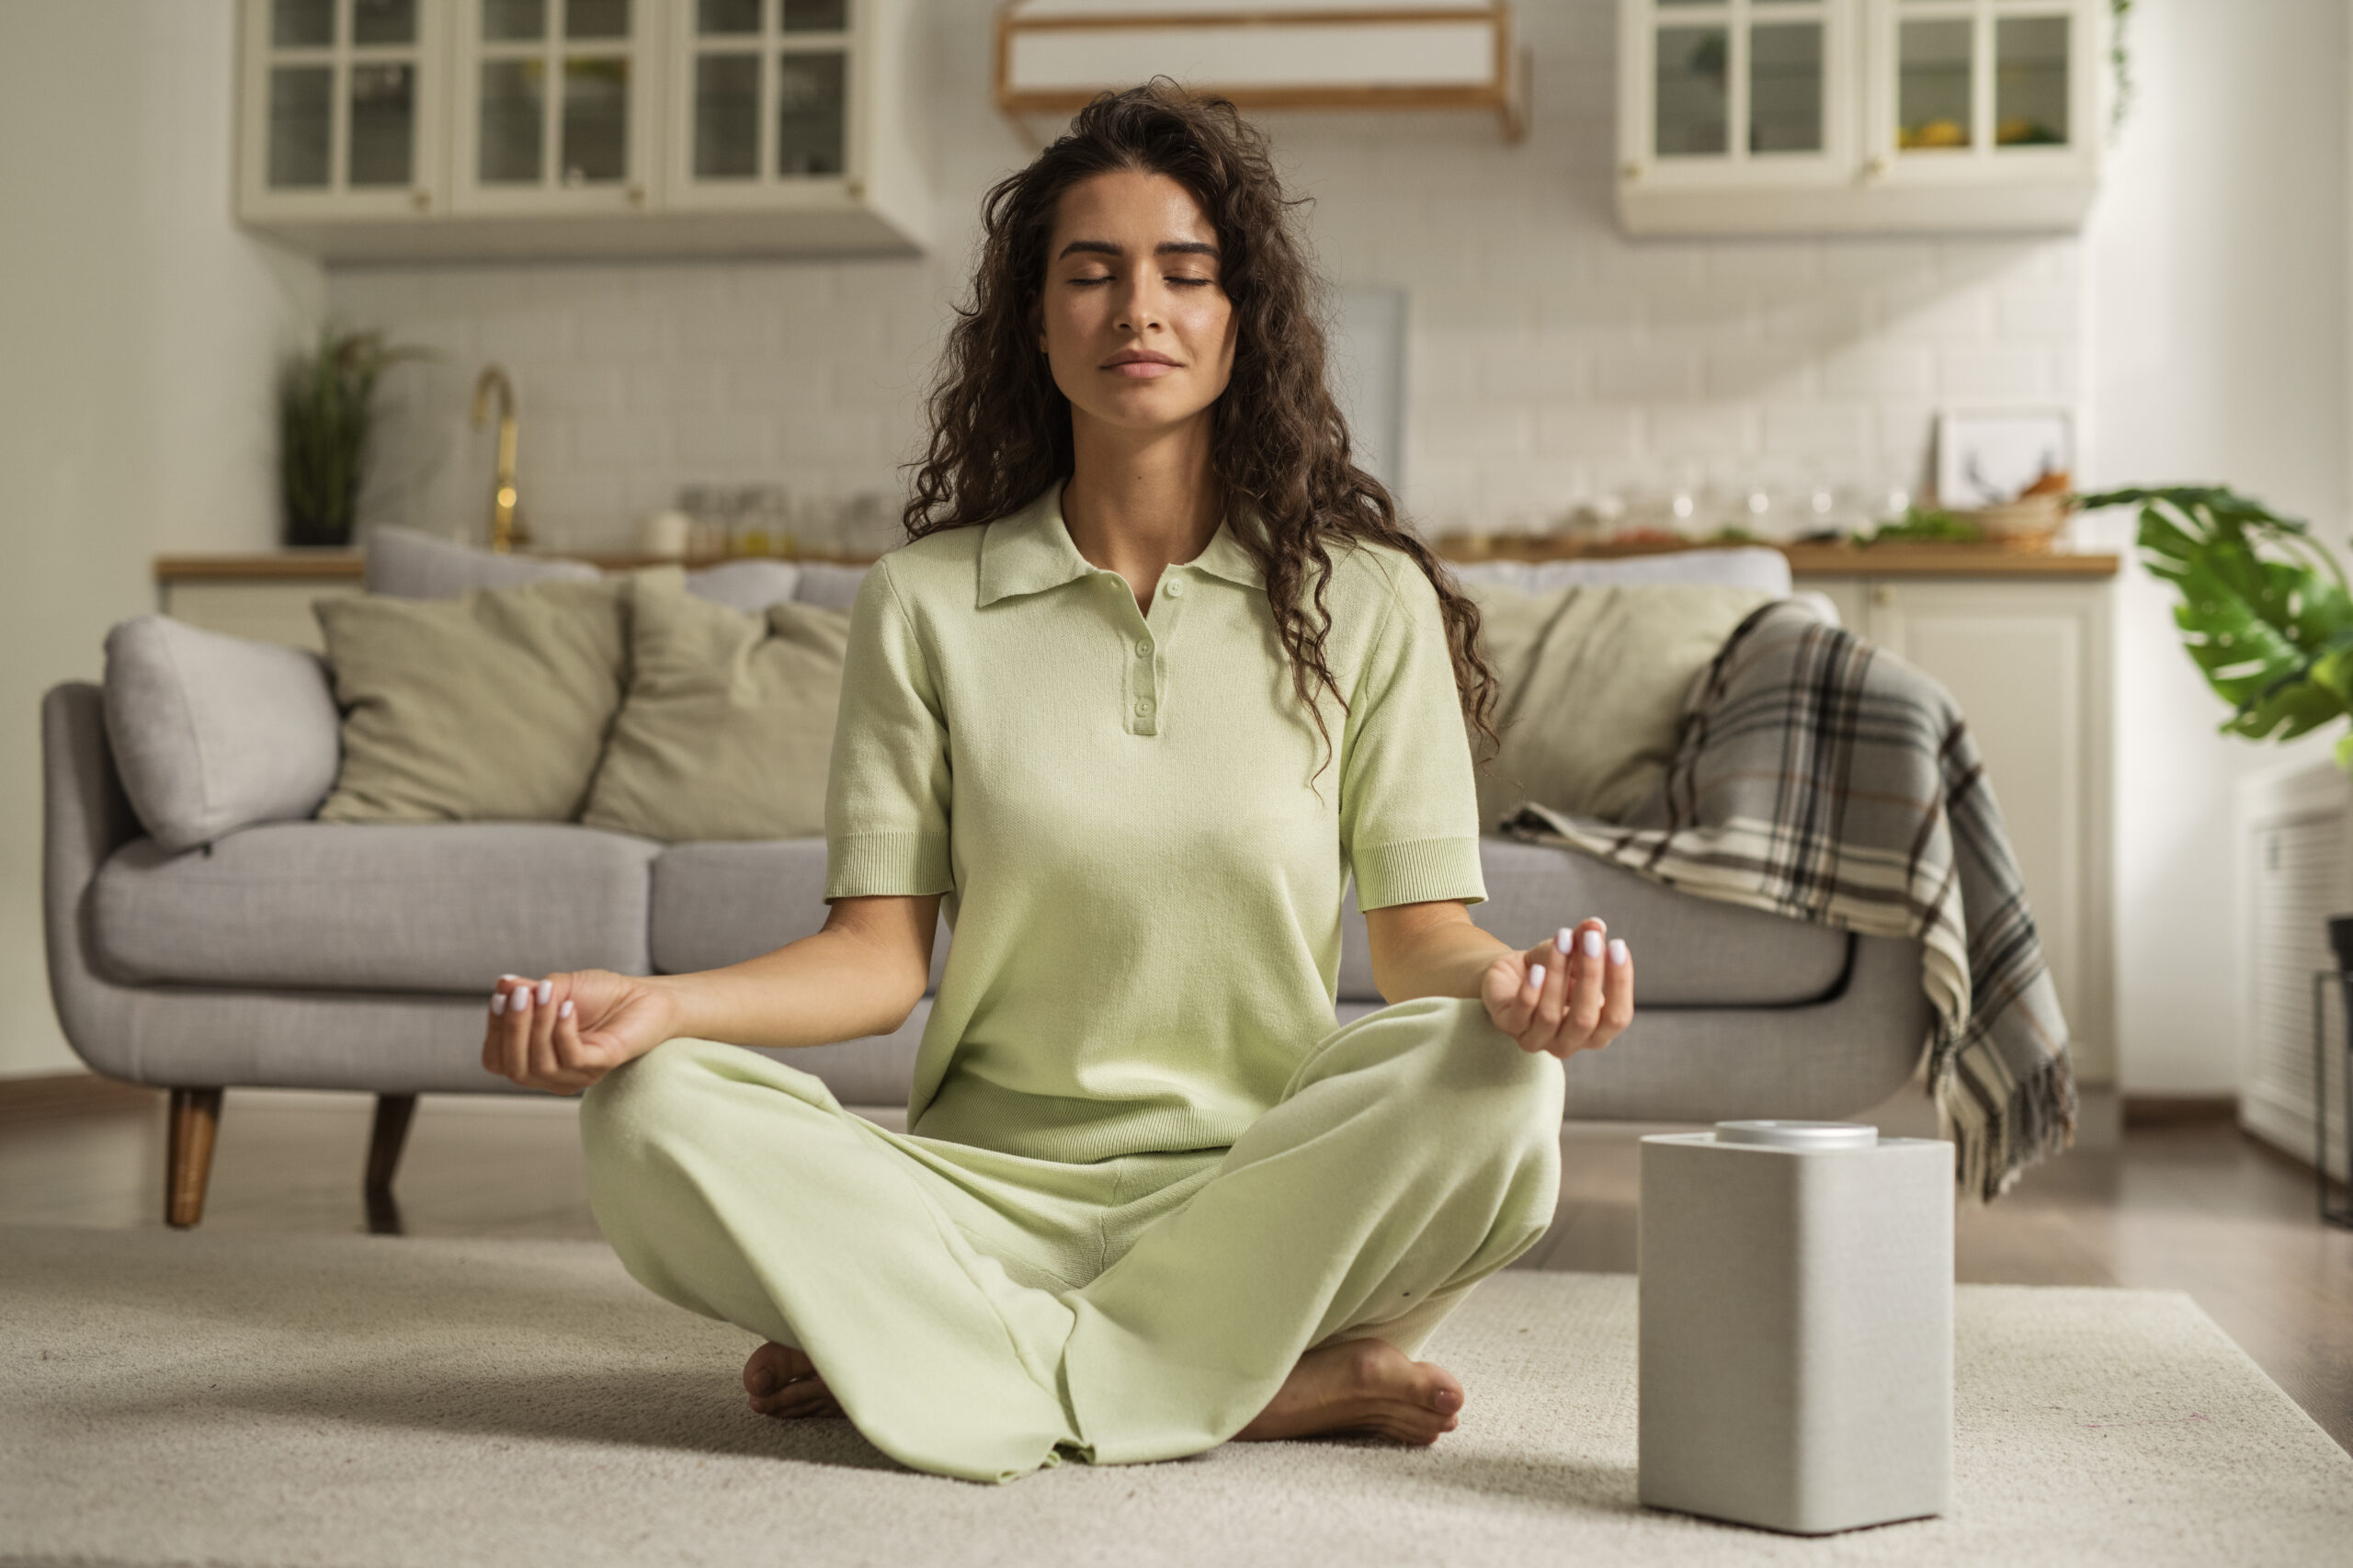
<point>1418,871</point>
<point>887,865</point>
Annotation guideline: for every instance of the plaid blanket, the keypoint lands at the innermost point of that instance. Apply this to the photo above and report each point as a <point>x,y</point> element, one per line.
<point>1819,777</point>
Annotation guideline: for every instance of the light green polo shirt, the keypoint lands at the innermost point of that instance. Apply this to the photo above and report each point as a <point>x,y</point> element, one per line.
<point>1142,866</point>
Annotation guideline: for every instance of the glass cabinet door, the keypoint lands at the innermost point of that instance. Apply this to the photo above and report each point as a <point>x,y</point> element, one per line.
<point>337,97</point>
<point>550,104</point>
<point>764,95</point>
<point>1736,78</point>
<point>1985,77</point>
<point>1735,83</point>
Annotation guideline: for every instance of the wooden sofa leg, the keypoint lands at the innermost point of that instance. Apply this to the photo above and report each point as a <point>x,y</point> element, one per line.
<point>384,1146</point>
<point>196,1122</point>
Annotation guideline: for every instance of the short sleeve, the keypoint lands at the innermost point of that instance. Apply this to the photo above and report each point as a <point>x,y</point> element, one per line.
<point>1409,808</point>
<point>888,792</point>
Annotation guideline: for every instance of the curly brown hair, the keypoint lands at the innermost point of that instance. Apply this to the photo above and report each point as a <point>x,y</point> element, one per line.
<point>1001,428</point>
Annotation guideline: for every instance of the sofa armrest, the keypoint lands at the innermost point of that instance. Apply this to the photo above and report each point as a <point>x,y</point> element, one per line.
<point>85,817</point>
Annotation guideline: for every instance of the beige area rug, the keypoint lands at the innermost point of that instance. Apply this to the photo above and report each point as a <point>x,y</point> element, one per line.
<point>222,1398</point>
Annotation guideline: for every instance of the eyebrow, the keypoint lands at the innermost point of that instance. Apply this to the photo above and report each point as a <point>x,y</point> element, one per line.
<point>1166,247</point>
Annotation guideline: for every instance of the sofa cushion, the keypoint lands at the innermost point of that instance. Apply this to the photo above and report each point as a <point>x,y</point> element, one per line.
<point>1593,685</point>
<point>324,906</point>
<point>211,733</point>
<point>729,723</point>
<point>490,707</point>
<point>828,586</point>
<point>1688,951</point>
<point>715,904</point>
<point>750,585</point>
<point>407,565</point>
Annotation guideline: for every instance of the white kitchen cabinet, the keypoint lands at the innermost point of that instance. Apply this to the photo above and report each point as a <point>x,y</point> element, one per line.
<point>2029,661</point>
<point>341,112</point>
<point>582,128</point>
<point>1839,116</point>
<point>553,105</point>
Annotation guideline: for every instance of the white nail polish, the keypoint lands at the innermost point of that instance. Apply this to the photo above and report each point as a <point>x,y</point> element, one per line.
<point>547,987</point>
<point>1536,975</point>
<point>510,977</point>
<point>1592,948</point>
<point>565,1011</point>
<point>1618,953</point>
<point>522,999</point>
<point>1561,941</point>
<point>498,1004</point>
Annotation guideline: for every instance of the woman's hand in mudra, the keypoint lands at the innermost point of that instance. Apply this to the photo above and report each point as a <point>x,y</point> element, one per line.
<point>568,1030</point>
<point>1572,993</point>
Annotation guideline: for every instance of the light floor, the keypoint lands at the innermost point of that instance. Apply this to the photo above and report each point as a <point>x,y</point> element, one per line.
<point>2195,1207</point>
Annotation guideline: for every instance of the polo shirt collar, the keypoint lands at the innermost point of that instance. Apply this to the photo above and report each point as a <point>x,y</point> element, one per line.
<point>1031,551</point>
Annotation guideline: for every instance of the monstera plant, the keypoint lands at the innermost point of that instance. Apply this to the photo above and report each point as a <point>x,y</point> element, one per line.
<point>2265,609</point>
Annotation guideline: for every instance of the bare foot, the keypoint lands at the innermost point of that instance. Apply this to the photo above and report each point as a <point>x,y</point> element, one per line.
<point>784,1383</point>
<point>1366,1386</point>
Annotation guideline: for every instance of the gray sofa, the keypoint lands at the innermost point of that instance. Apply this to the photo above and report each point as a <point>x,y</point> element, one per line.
<point>309,955</point>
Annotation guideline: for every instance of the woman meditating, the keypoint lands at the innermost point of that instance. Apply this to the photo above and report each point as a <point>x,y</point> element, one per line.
<point>1160,670</point>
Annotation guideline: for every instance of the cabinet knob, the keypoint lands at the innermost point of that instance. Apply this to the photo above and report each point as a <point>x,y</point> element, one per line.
<point>637,196</point>
<point>1882,596</point>
<point>420,199</point>
<point>1875,165</point>
<point>1630,171</point>
<point>855,190</point>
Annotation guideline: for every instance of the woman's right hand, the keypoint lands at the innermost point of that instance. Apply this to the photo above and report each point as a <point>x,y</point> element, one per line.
<point>566,1031</point>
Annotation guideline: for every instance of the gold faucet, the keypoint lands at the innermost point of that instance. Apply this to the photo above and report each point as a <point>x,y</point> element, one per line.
<point>506,529</point>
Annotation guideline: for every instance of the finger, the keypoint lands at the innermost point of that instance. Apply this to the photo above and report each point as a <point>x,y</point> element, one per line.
<point>493,1059</point>
<point>1585,998</point>
<point>542,1048</point>
<point>1552,1005</point>
<point>1617,1006</point>
<point>516,1046</point>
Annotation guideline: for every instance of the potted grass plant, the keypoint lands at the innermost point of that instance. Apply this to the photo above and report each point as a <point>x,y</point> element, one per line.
<point>2264,612</point>
<point>325,407</point>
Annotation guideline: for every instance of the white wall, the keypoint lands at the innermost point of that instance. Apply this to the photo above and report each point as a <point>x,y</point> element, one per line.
<point>1549,358</point>
<point>2215,266</point>
<point>137,333</point>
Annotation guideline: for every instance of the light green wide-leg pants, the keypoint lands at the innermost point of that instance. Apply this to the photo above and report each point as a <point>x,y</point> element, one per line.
<point>978,1314</point>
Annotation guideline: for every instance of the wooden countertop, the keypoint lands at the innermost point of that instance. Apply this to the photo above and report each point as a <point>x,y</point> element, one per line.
<point>1805,561</point>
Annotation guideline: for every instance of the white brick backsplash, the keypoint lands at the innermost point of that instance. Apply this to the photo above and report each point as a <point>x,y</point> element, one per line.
<point>1703,429</point>
<point>1549,357</point>
<point>1646,371</point>
<point>1590,430</point>
<point>1872,370</point>
<point>1986,372</point>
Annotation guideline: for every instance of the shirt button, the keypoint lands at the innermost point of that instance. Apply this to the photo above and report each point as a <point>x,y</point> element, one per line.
<point>1143,647</point>
<point>1175,590</point>
<point>1143,707</point>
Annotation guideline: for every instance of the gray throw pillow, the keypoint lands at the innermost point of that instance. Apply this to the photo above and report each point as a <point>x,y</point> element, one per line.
<point>748,585</point>
<point>213,734</point>
<point>406,564</point>
<point>828,586</point>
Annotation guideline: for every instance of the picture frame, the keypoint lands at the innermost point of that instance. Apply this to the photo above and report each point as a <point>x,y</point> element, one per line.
<point>1989,457</point>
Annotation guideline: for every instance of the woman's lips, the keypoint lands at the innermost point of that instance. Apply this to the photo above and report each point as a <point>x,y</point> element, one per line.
<point>1141,369</point>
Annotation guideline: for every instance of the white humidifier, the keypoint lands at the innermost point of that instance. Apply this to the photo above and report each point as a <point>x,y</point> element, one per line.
<point>1797,1325</point>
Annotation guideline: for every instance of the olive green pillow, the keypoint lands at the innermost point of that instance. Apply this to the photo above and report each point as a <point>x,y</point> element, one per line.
<point>729,725</point>
<point>489,707</point>
<point>1593,685</point>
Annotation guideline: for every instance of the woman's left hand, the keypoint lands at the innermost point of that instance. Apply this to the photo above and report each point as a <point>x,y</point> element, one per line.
<point>1574,993</point>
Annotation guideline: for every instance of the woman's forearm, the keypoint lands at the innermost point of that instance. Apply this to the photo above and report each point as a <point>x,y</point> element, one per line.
<point>1429,949</point>
<point>861,975</point>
